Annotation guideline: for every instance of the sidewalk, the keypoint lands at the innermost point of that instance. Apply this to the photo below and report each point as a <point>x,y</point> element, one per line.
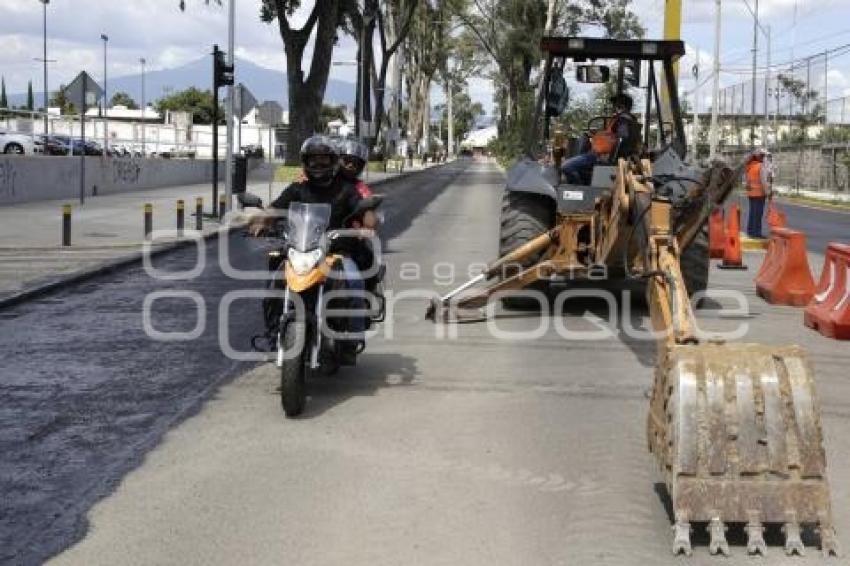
<point>106,231</point>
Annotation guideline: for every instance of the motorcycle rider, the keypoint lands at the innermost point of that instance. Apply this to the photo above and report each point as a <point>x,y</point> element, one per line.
<point>320,159</point>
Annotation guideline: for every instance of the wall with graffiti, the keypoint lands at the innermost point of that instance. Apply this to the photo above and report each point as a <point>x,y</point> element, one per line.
<point>26,179</point>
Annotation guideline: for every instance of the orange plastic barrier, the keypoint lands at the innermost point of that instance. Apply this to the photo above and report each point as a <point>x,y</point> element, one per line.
<point>786,279</point>
<point>829,311</point>
<point>732,256</point>
<point>775,217</point>
<point>716,234</point>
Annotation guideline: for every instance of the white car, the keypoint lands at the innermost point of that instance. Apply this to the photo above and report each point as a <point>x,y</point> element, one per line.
<point>20,144</point>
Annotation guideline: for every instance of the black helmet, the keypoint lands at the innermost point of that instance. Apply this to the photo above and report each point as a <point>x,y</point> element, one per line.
<point>352,151</point>
<point>320,158</point>
<point>623,100</point>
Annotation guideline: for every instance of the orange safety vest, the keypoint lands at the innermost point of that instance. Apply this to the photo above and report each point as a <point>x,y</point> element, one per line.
<point>604,141</point>
<point>755,188</point>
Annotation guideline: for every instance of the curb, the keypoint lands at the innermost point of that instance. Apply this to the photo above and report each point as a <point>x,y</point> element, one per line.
<point>60,281</point>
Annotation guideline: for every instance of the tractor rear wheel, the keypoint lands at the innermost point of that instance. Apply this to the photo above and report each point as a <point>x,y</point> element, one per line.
<point>524,217</point>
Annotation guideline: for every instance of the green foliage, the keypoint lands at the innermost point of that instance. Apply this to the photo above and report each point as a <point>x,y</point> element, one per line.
<point>464,114</point>
<point>328,114</point>
<point>123,99</point>
<point>4,103</point>
<point>199,103</point>
<point>30,98</point>
<point>58,99</point>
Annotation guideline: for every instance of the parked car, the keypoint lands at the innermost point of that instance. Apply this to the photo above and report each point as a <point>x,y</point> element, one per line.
<point>56,145</point>
<point>14,143</point>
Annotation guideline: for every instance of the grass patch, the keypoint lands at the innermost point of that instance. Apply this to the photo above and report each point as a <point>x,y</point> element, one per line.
<point>287,173</point>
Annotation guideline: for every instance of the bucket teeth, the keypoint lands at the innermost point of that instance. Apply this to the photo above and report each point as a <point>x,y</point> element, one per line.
<point>682,538</point>
<point>755,537</point>
<point>717,538</point>
<point>793,542</point>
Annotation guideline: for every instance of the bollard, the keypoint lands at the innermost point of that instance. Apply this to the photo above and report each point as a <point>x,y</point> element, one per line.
<point>180,218</point>
<point>199,213</point>
<point>148,220</point>
<point>222,202</point>
<point>66,225</point>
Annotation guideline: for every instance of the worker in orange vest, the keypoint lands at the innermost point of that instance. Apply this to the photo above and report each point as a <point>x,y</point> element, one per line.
<point>621,135</point>
<point>757,189</point>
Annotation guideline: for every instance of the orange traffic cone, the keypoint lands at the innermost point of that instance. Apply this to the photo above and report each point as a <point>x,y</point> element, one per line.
<point>732,255</point>
<point>716,235</point>
<point>775,217</point>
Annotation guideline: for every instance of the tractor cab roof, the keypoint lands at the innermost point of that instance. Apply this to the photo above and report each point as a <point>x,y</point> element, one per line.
<point>600,48</point>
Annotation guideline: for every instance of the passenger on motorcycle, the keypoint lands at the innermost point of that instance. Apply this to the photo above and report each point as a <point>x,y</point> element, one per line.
<point>353,157</point>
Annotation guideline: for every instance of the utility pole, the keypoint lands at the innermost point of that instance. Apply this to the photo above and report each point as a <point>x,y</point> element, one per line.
<point>144,105</point>
<point>44,4</point>
<point>764,129</point>
<point>450,126</point>
<point>105,39</point>
<point>228,164</point>
<point>755,63</point>
<point>715,96</point>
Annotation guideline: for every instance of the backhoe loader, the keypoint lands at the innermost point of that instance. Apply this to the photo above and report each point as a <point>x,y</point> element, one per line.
<point>735,428</point>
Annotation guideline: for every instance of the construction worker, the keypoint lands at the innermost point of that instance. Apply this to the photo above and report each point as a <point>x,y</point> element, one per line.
<point>757,179</point>
<point>621,135</point>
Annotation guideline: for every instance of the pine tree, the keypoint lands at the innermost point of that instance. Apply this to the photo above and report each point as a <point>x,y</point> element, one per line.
<point>3,102</point>
<point>30,98</point>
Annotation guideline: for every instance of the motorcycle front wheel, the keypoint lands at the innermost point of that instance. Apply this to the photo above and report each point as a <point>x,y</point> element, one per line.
<point>293,386</point>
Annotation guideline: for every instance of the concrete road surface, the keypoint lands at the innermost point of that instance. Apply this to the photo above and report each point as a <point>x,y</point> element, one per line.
<point>507,444</point>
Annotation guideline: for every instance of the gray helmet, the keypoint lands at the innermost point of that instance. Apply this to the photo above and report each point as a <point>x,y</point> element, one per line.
<point>320,173</point>
<point>353,148</point>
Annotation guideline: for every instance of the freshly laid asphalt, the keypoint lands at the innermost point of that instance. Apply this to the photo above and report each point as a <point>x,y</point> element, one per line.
<point>482,448</point>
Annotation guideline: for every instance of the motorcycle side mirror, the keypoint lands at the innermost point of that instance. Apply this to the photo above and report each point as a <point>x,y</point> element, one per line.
<point>249,200</point>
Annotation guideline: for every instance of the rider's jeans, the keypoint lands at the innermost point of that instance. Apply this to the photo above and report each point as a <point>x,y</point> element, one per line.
<point>575,167</point>
<point>357,324</point>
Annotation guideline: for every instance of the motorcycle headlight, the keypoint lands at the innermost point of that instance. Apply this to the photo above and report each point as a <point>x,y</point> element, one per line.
<point>303,262</point>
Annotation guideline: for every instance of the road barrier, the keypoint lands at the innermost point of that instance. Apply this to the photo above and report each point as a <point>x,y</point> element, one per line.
<point>716,233</point>
<point>148,212</point>
<point>66,225</point>
<point>732,254</point>
<point>199,213</point>
<point>785,278</point>
<point>180,218</point>
<point>829,310</point>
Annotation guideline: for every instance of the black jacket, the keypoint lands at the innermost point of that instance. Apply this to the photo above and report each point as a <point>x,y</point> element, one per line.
<point>341,195</point>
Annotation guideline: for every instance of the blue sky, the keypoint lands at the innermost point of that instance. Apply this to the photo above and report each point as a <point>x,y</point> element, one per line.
<point>156,30</point>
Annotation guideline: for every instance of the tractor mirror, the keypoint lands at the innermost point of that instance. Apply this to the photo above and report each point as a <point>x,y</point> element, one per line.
<point>593,74</point>
<point>558,95</point>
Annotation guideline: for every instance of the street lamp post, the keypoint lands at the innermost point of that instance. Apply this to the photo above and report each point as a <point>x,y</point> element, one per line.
<point>143,62</point>
<point>105,39</point>
<point>44,4</point>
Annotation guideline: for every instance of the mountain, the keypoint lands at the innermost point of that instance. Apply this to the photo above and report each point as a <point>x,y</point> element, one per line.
<point>264,84</point>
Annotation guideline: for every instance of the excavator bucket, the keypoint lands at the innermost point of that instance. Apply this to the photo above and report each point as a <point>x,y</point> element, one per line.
<point>736,431</point>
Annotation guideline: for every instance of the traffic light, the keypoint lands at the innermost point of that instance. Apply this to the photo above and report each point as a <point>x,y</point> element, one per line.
<point>222,72</point>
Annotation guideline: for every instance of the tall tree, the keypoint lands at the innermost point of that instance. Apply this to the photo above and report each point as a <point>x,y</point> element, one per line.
<point>30,98</point>
<point>3,102</point>
<point>464,114</point>
<point>306,91</point>
<point>812,112</point>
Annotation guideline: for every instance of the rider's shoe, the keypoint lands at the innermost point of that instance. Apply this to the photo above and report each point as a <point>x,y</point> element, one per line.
<point>348,351</point>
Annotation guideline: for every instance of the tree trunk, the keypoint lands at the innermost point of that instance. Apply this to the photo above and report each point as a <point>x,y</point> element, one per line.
<point>306,96</point>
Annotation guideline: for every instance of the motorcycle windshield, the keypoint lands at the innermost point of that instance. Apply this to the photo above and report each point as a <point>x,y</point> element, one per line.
<point>306,225</point>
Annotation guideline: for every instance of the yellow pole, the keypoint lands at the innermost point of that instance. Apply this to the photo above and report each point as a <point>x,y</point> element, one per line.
<point>672,31</point>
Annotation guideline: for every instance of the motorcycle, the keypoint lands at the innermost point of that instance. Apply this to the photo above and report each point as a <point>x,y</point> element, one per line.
<point>314,313</point>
